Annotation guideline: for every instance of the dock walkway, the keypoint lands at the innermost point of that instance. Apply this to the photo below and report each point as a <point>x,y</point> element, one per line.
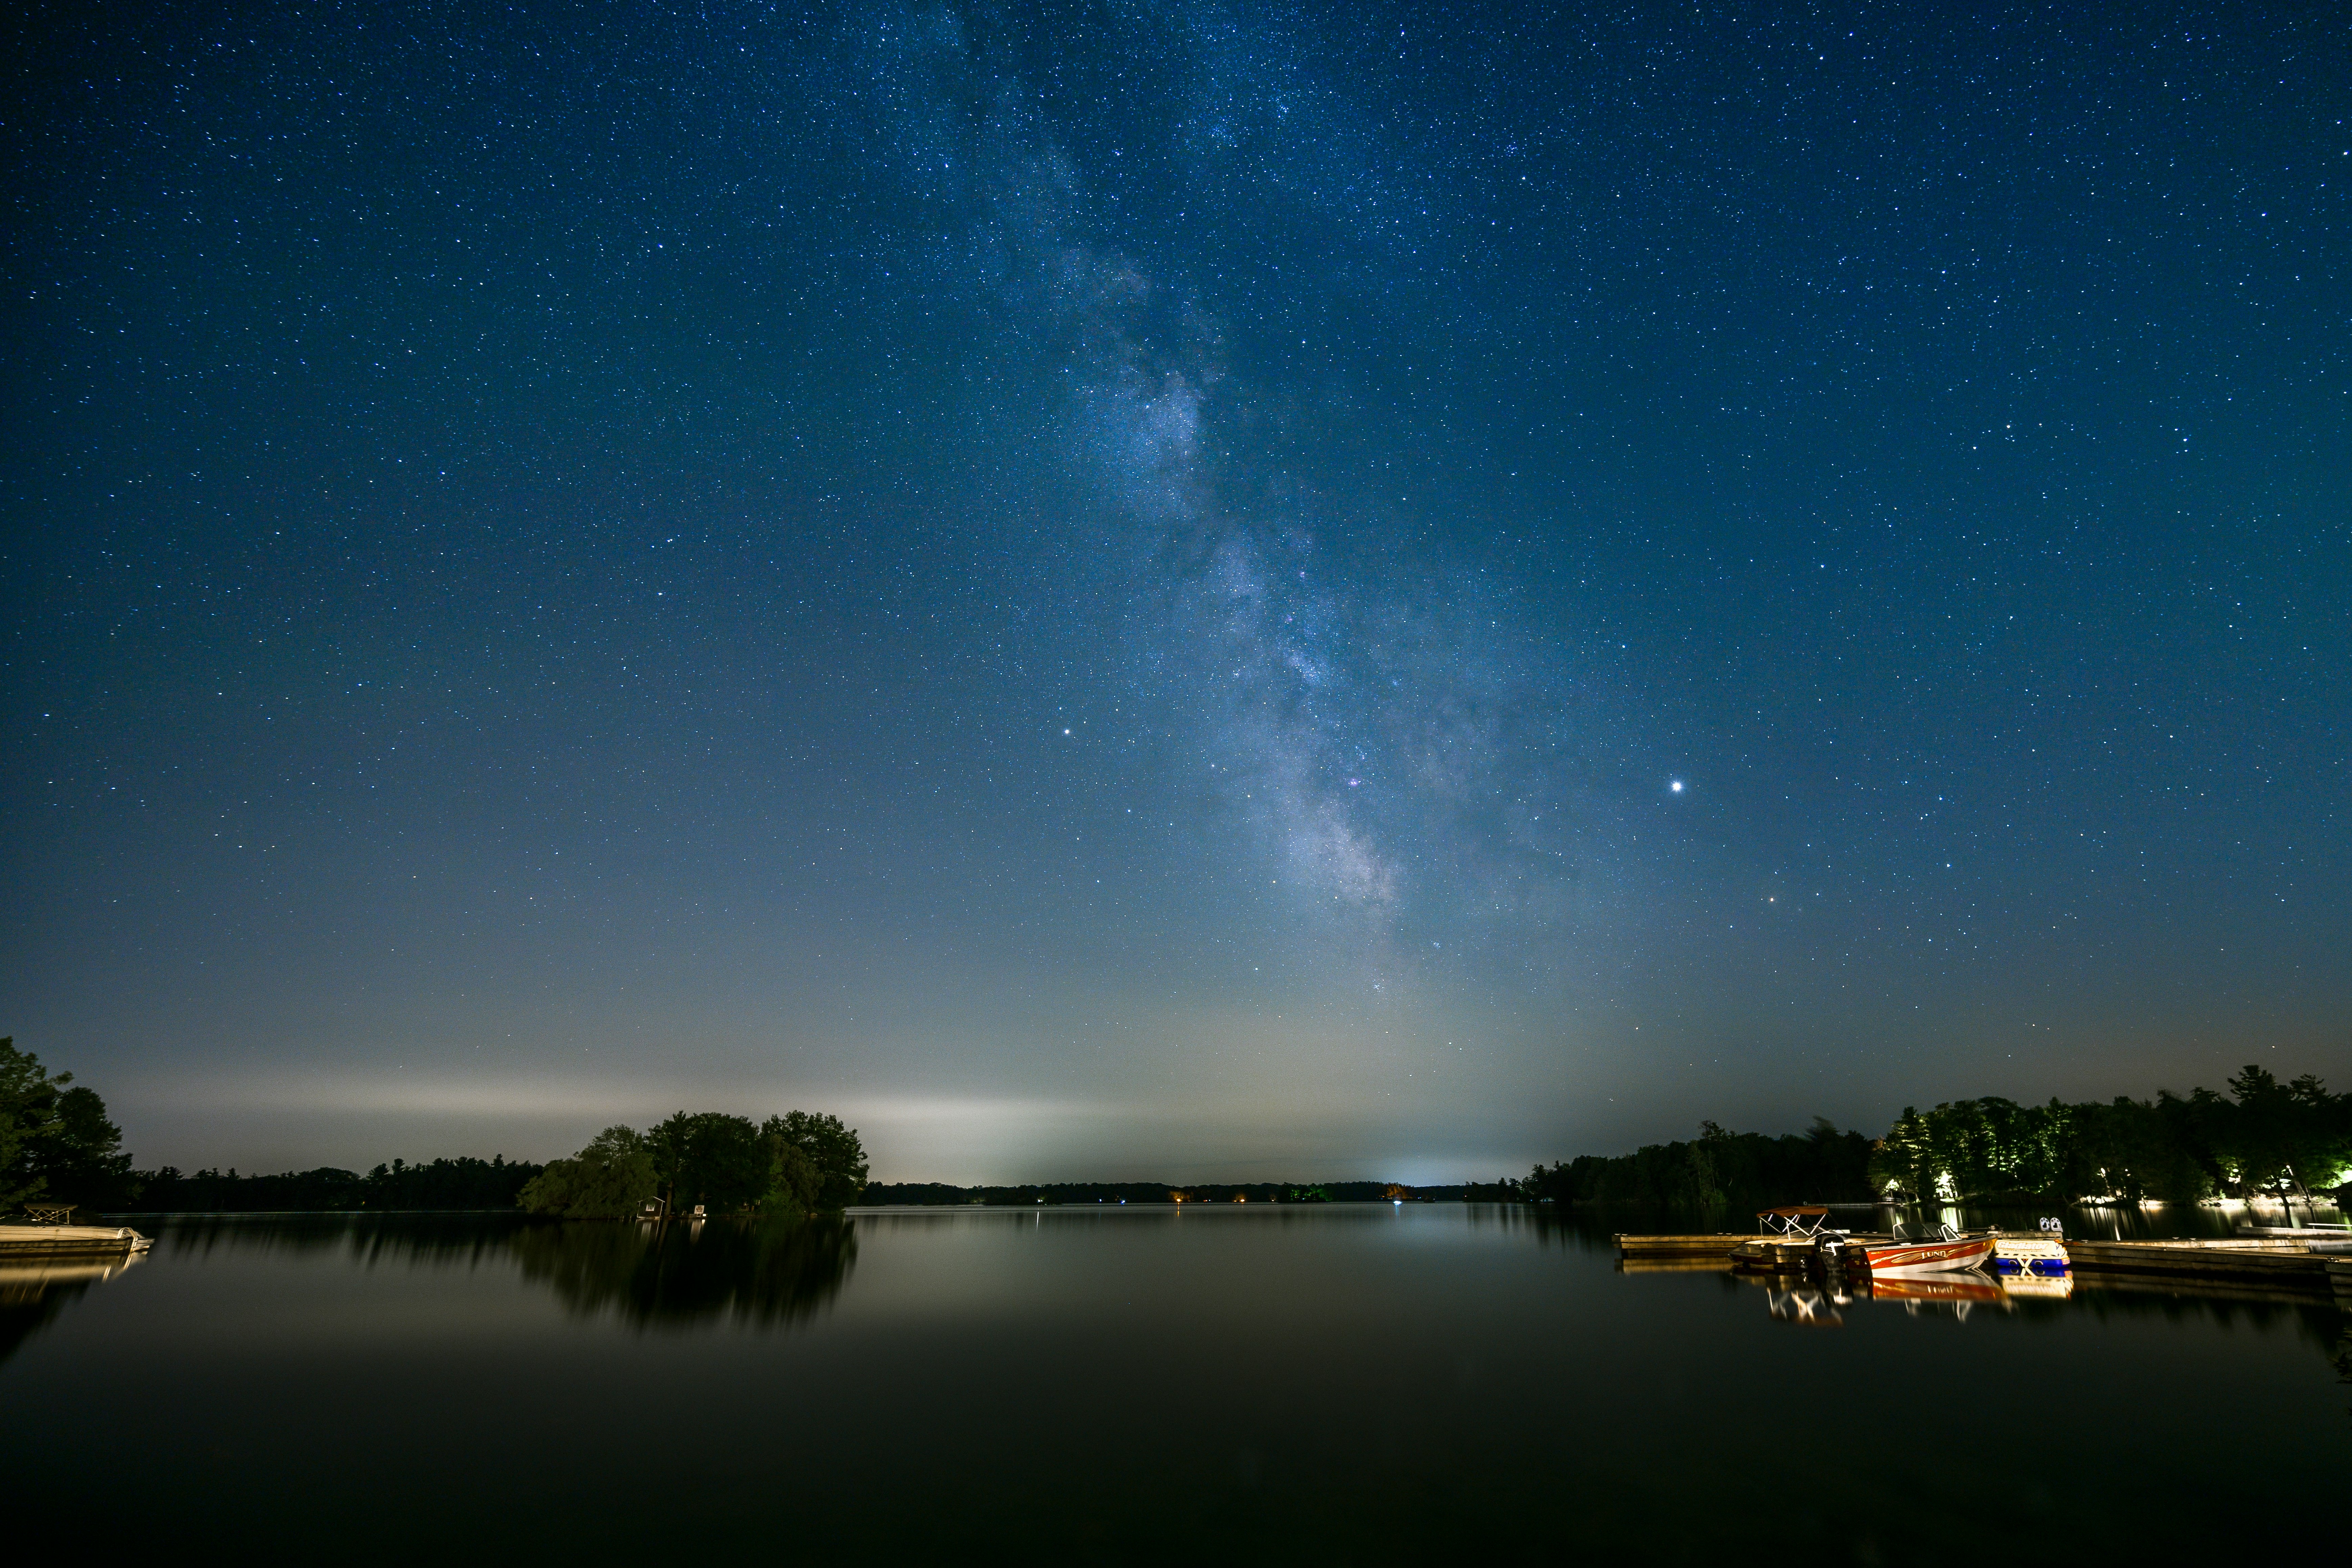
<point>2277,1262</point>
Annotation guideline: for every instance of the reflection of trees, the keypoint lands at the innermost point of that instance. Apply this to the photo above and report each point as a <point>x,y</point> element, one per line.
<point>1594,1227</point>
<point>763,1272</point>
<point>369,1239</point>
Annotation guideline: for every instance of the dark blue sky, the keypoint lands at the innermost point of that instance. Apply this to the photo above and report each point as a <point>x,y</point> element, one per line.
<point>1188,591</point>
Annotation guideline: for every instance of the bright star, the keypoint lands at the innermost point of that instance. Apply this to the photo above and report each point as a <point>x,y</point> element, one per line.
<point>1676,786</point>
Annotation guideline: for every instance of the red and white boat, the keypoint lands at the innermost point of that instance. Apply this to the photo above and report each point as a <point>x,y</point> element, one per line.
<point>1922,1256</point>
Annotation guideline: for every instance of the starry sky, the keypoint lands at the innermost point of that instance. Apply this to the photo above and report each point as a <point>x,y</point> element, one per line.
<point>1178,591</point>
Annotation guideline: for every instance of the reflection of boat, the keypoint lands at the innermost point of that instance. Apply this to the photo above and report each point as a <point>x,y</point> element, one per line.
<point>1807,1308</point>
<point>2047,1286</point>
<point>1961,1291</point>
<point>1946,1287</point>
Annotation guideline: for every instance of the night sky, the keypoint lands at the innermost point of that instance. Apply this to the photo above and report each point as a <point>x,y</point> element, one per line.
<point>1185,591</point>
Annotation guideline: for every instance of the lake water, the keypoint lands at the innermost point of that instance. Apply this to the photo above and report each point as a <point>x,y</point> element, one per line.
<point>1318,1384</point>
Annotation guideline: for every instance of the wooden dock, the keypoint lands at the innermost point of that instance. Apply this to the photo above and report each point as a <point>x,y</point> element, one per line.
<point>2270,1263</point>
<point>19,1241</point>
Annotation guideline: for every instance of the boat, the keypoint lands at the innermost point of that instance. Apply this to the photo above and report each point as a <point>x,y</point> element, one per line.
<point>2042,1253</point>
<point>1898,1256</point>
<point>1788,1240</point>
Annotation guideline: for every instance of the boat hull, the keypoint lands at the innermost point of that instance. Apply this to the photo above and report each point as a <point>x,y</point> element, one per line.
<point>2037,1253</point>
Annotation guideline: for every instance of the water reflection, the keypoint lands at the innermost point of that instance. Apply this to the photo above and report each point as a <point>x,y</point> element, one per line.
<point>466,1240</point>
<point>2038,1287</point>
<point>1373,1385</point>
<point>34,1291</point>
<point>1805,1306</point>
<point>763,1273</point>
<point>1822,1304</point>
<point>1823,1301</point>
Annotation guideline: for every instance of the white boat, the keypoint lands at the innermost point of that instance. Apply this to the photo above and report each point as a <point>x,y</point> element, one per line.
<point>2041,1252</point>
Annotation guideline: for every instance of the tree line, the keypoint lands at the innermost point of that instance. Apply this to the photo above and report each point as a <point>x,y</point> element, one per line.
<point>1716,1168</point>
<point>797,1163</point>
<point>2264,1137</point>
<point>463,1182</point>
<point>57,1147</point>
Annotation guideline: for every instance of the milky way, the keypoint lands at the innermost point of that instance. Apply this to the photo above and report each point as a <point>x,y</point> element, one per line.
<point>1388,731</point>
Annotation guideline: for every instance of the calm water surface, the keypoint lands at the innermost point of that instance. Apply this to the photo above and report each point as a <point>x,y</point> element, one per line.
<point>1351,1383</point>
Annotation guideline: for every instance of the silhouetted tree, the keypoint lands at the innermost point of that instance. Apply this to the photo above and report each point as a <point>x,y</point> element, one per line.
<point>609,1179</point>
<point>793,1181</point>
<point>710,1159</point>
<point>56,1141</point>
<point>24,1097</point>
<point>833,1149</point>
